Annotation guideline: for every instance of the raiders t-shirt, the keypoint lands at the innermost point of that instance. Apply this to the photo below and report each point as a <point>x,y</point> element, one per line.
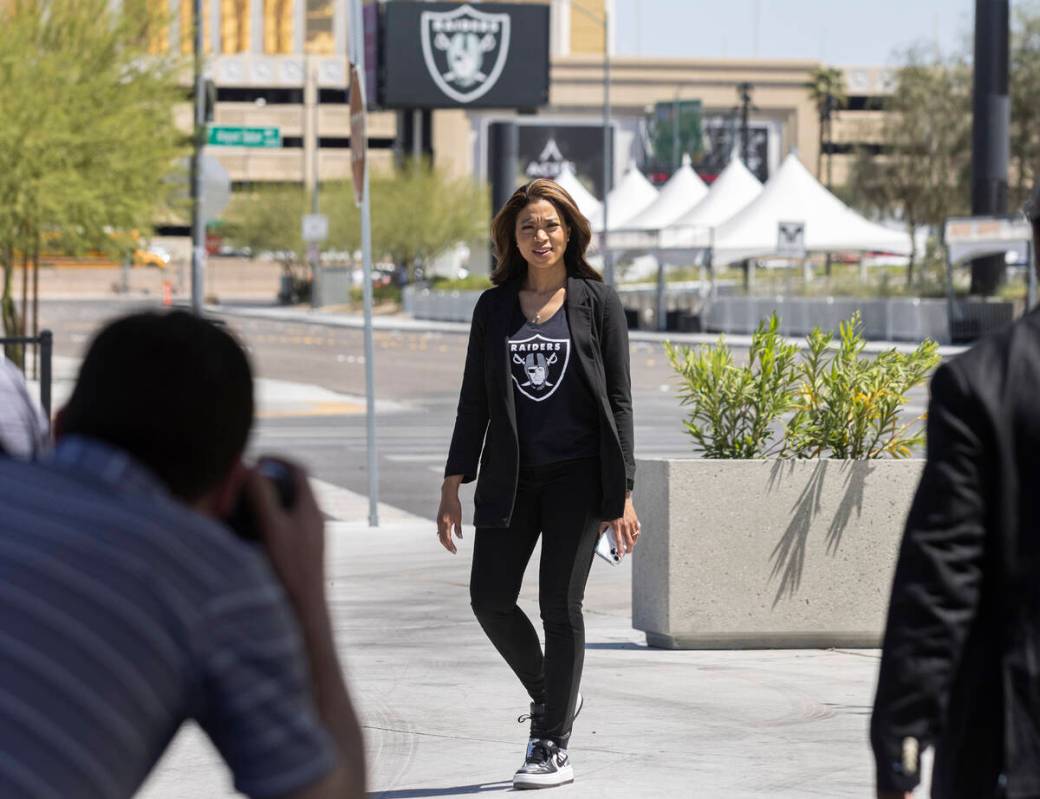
<point>555,409</point>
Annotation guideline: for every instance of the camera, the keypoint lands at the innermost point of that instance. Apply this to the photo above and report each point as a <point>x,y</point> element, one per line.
<point>243,521</point>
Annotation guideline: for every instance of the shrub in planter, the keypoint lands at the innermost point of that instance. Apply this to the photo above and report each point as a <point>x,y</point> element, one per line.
<point>784,533</point>
<point>829,401</point>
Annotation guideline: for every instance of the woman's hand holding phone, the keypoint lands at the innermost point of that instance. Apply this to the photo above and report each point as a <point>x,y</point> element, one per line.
<point>626,528</point>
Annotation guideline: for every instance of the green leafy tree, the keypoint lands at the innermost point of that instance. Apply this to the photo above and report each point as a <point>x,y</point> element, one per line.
<point>86,130</point>
<point>923,171</point>
<point>87,139</point>
<point>827,90</point>
<point>268,218</point>
<point>419,212</point>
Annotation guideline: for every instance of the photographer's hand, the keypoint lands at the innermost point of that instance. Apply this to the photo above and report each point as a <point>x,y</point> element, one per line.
<point>293,537</point>
<point>295,542</point>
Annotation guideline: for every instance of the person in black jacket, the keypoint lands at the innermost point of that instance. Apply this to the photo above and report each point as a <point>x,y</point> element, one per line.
<point>546,410</point>
<point>960,669</point>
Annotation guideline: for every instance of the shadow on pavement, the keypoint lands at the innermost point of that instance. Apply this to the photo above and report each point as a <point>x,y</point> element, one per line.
<point>414,793</point>
<point>618,645</point>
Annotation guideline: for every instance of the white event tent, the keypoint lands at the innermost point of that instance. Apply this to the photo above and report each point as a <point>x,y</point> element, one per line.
<point>733,190</point>
<point>681,193</point>
<point>793,195</point>
<point>587,203</point>
<point>629,197</point>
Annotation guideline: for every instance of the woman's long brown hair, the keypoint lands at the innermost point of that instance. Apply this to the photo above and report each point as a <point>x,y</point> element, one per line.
<point>511,263</point>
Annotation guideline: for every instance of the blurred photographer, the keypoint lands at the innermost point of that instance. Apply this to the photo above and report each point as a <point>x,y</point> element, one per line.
<point>128,607</point>
<point>960,666</point>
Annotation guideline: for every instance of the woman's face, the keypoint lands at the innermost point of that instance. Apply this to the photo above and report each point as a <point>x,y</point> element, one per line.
<point>541,235</point>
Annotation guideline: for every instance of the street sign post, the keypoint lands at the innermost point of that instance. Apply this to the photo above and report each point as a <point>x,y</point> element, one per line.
<point>216,188</point>
<point>358,150</point>
<point>239,136</point>
<point>315,227</point>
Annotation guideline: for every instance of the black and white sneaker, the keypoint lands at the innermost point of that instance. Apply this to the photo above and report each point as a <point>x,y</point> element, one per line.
<point>545,766</point>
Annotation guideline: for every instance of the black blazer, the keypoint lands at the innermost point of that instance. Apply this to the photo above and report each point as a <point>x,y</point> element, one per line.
<point>485,427</point>
<point>961,662</point>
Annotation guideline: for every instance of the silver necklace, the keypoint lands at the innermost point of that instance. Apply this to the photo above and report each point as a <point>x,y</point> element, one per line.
<point>538,315</point>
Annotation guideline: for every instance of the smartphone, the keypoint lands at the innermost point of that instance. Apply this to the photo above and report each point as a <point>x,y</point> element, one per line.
<point>607,547</point>
<point>242,520</point>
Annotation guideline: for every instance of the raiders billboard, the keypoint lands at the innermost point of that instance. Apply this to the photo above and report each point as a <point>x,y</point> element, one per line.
<point>544,150</point>
<point>455,55</point>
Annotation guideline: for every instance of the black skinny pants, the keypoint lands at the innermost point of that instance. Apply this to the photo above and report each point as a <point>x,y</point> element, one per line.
<point>560,502</point>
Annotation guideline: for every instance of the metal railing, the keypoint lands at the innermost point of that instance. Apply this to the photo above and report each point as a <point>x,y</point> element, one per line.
<point>45,341</point>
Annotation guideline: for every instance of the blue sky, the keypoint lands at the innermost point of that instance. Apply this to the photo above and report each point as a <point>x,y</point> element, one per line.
<point>843,32</point>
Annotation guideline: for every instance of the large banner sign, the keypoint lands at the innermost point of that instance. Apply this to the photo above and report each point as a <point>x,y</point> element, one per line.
<point>451,55</point>
<point>545,149</point>
<point>722,135</point>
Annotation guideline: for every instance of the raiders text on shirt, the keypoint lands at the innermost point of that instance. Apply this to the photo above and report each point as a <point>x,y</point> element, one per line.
<point>536,346</point>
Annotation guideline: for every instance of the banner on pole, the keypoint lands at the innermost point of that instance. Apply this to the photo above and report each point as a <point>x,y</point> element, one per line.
<point>358,134</point>
<point>790,239</point>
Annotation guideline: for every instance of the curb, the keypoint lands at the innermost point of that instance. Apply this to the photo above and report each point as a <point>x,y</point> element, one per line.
<point>407,324</point>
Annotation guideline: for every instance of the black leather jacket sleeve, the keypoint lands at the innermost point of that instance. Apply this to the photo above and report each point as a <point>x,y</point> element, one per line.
<point>937,585</point>
<point>617,370</point>
<point>471,419</point>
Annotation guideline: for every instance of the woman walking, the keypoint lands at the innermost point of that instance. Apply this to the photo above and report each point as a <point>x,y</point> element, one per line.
<point>546,410</point>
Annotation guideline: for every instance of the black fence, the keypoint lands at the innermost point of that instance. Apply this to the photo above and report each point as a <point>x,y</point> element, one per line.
<point>45,342</point>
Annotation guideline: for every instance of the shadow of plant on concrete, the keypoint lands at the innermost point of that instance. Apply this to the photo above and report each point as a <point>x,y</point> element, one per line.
<point>856,476</point>
<point>788,555</point>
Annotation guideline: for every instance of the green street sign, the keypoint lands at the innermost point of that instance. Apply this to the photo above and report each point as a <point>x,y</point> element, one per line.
<point>238,136</point>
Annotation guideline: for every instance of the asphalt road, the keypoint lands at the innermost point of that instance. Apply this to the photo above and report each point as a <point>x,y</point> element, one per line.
<point>417,374</point>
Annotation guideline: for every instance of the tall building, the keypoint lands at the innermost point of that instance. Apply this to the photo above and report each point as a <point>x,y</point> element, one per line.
<point>267,58</point>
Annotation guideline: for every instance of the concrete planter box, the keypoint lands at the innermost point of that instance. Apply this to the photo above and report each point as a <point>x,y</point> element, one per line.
<point>767,553</point>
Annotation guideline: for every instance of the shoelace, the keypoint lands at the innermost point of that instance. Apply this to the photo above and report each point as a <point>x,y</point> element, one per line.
<point>527,717</point>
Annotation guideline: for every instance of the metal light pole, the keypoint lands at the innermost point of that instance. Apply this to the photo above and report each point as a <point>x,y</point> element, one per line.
<point>357,34</point>
<point>311,158</point>
<point>991,112</point>
<point>198,224</point>
<point>744,91</point>
<point>608,260</point>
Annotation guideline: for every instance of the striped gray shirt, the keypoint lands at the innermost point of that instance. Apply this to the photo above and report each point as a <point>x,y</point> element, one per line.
<point>23,425</point>
<point>123,613</point>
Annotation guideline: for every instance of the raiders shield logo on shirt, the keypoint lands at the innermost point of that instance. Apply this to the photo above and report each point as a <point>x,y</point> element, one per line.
<point>539,365</point>
<point>465,50</point>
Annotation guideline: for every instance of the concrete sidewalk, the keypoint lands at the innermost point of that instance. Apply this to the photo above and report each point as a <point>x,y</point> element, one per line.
<point>439,707</point>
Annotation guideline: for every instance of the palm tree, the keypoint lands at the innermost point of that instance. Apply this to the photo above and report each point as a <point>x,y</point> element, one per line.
<point>827,89</point>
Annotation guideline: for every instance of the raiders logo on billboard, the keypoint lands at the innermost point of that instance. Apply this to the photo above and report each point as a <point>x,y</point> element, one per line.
<point>538,365</point>
<point>459,55</point>
<point>465,50</point>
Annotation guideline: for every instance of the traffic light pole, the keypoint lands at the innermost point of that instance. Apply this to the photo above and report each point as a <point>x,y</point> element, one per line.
<point>991,114</point>
<point>608,259</point>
